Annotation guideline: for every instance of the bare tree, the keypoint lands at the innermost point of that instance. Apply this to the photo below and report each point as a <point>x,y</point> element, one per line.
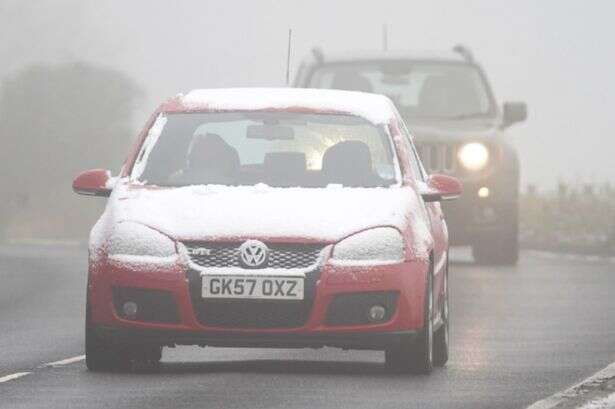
<point>54,122</point>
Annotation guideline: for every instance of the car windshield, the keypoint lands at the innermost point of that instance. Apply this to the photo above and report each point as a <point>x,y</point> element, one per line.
<point>279,149</point>
<point>419,90</point>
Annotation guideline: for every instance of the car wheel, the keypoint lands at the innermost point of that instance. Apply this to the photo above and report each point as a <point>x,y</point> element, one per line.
<point>441,337</point>
<point>100,355</point>
<point>416,357</point>
<point>149,356</point>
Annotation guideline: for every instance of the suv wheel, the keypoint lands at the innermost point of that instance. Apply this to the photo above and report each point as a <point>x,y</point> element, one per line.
<point>498,249</point>
<point>501,247</point>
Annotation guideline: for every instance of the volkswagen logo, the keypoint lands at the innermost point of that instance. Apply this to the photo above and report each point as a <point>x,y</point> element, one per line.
<point>253,254</point>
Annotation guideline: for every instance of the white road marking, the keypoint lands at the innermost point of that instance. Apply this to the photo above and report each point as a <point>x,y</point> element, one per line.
<point>62,362</point>
<point>66,361</point>
<point>576,390</point>
<point>13,376</point>
<point>604,403</point>
<point>45,242</point>
<point>572,257</point>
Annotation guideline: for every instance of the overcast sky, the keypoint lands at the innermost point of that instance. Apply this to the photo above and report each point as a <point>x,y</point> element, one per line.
<point>558,56</point>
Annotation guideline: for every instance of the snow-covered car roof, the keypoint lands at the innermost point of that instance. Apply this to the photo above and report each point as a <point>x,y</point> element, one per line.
<point>377,109</point>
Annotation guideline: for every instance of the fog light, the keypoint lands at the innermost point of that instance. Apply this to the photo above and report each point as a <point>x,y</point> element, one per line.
<point>483,192</point>
<point>376,313</point>
<point>130,309</point>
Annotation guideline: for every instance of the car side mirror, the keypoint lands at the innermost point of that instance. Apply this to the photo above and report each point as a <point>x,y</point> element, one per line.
<point>441,187</point>
<point>513,112</point>
<point>93,183</point>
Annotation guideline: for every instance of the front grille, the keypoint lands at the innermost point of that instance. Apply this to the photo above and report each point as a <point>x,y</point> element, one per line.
<point>280,255</point>
<point>438,157</point>
<point>240,313</point>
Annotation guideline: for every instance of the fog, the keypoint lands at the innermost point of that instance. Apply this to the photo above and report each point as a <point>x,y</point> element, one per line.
<point>304,219</point>
<point>557,56</point>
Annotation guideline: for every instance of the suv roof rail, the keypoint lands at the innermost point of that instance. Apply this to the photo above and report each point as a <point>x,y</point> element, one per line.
<point>319,56</point>
<point>464,51</point>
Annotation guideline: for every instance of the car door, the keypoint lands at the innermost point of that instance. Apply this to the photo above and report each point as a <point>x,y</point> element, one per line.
<point>435,216</point>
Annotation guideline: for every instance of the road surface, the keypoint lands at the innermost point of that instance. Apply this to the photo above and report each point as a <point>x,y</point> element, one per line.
<point>519,334</point>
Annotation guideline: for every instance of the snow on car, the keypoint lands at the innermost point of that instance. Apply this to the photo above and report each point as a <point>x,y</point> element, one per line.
<point>269,218</point>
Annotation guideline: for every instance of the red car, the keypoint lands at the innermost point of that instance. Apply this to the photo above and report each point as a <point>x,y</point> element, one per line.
<point>270,218</point>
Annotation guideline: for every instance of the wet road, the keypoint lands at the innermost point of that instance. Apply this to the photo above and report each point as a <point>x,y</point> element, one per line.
<point>519,334</point>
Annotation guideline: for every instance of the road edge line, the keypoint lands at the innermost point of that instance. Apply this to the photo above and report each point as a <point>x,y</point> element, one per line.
<point>66,361</point>
<point>573,391</point>
<point>571,256</point>
<point>605,402</point>
<point>34,241</point>
<point>14,376</point>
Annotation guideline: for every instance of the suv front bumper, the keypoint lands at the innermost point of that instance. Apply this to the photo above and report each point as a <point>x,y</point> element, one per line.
<point>471,217</point>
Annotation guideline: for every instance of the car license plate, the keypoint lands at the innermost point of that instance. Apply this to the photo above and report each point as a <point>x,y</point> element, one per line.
<point>265,288</point>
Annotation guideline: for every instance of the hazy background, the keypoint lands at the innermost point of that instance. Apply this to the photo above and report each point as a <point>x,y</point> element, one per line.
<point>558,56</point>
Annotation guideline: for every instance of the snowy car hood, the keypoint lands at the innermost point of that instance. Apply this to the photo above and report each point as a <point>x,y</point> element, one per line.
<point>218,212</point>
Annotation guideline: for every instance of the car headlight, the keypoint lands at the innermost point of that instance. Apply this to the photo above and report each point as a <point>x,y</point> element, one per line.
<point>381,244</point>
<point>473,156</point>
<point>135,239</point>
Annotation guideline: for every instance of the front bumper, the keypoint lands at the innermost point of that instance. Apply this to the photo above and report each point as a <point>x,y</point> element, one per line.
<point>406,280</point>
<point>471,217</point>
<point>356,340</point>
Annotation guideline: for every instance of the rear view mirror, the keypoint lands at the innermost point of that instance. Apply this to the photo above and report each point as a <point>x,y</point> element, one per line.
<point>513,112</point>
<point>93,183</point>
<point>390,79</point>
<point>441,187</point>
<point>270,132</point>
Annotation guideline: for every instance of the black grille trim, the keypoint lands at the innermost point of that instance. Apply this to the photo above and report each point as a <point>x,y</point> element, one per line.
<point>438,157</point>
<point>283,256</point>
<point>238,313</point>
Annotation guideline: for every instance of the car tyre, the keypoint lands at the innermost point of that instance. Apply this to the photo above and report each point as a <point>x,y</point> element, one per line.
<point>101,355</point>
<point>146,356</point>
<point>441,336</point>
<point>416,357</point>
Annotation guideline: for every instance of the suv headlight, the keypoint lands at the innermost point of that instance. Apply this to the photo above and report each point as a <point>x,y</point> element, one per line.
<point>473,156</point>
<point>374,246</point>
<point>135,239</point>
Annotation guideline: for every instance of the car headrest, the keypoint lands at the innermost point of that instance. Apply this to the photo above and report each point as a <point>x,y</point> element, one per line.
<point>284,163</point>
<point>210,152</point>
<point>348,163</point>
<point>351,81</point>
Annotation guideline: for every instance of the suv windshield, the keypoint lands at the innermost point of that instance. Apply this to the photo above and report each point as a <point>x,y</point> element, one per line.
<point>419,90</point>
<point>279,149</point>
